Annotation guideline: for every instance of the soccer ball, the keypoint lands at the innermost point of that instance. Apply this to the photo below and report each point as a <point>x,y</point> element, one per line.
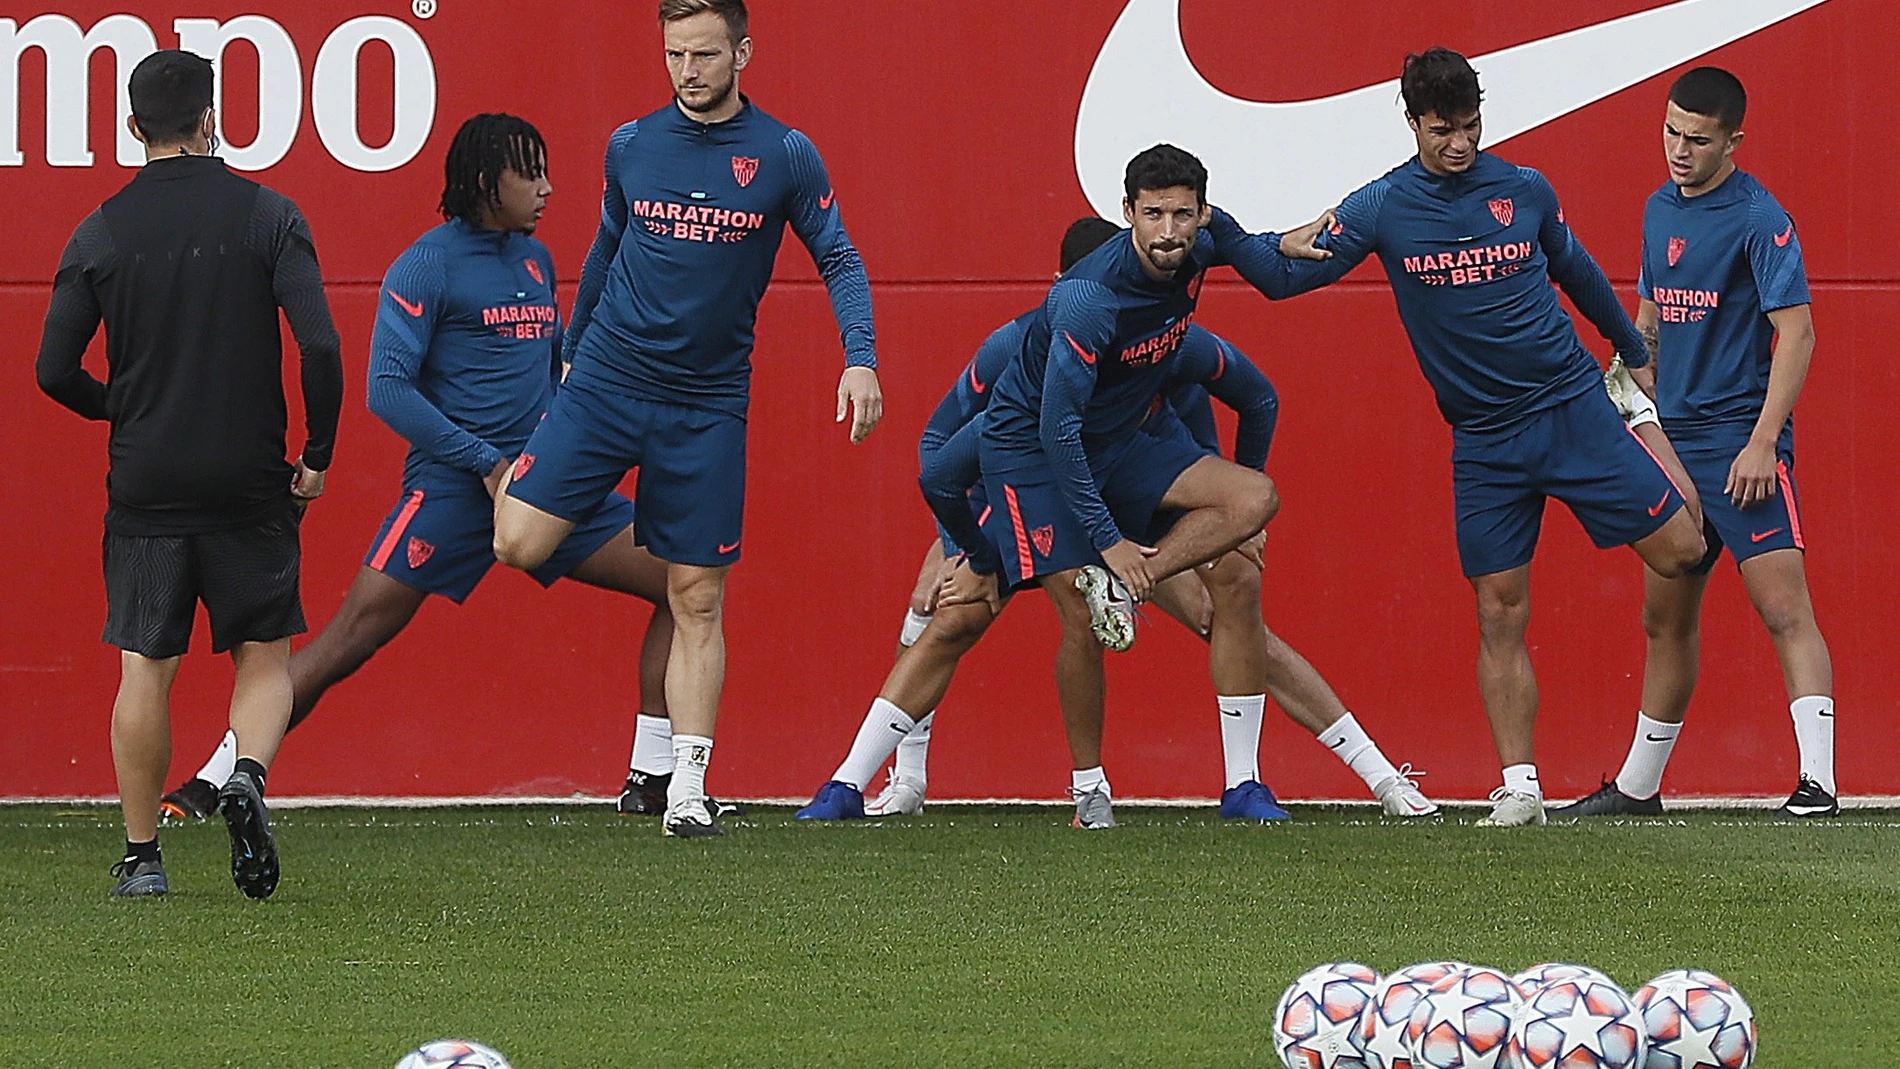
<point>453,1054</point>
<point>1696,1020</point>
<point>1581,1022</point>
<point>1382,1026</point>
<point>1463,1021</point>
<point>1551,972</point>
<point>1317,1021</point>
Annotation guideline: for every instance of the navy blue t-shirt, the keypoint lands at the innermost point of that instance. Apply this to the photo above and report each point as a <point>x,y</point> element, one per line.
<point>1715,266</point>
<point>466,348</point>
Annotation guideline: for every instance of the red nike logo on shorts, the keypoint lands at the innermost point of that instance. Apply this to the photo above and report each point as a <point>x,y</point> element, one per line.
<point>730,548</point>
<point>1656,509</point>
<point>1782,239</point>
<point>1763,535</point>
<point>412,309</point>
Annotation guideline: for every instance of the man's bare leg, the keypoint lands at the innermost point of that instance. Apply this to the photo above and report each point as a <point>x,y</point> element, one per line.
<point>260,698</point>
<point>1777,583</point>
<point>1223,503</point>
<point>525,536</point>
<point>374,611</point>
<point>142,739</point>
<point>695,678</point>
<point>1081,687</point>
<point>1508,687</point>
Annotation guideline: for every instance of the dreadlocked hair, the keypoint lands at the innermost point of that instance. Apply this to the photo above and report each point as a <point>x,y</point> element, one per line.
<point>485,146</point>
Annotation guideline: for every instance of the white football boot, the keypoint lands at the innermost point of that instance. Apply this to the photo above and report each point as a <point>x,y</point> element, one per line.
<point>1514,809</point>
<point>900,798</point>
<point>1111,609</point>
<point>1631,402</point>
<point>1400,796</point>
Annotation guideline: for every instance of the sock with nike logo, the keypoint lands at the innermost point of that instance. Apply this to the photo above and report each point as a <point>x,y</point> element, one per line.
<point>884,727</point>
<point>1240,716</point>
<point>1642,773</point>
<point>1350,743</point>
<point>1522,779</point>
<point>914,751</point>
<point>1814,733</point>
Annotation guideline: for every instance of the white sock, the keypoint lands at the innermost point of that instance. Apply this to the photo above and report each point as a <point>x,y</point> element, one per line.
<point>914,624</point>
<point>1814,733</point>
<point>1649,752</point>
<point>1084,780</point>
<point>1240,716</point>
<point>914,752</point>
<point>1350,743</point>
<point>884,727</point>
<point>223,761</point>
<point>652,745</point>
<point>1522,779</point>
<point>691,755</point>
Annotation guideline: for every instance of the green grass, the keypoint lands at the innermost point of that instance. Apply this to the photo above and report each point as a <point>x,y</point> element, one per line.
<point>967,936</point>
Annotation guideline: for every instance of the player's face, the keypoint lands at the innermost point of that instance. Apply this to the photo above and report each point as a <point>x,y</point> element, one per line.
<point>522,199</point>
<point>1166,222</point>
<point>1699,149</point>
<point>704,62</point>
<point>1447,145</point>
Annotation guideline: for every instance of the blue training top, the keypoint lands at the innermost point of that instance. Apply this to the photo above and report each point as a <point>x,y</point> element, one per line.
<point>1471,257</point>
<point>1716,265</point>
<point>467,347</point>
<point>690,225</point>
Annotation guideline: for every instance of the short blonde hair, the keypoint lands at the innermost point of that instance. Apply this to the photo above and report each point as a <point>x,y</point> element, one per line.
<point>733,11</point>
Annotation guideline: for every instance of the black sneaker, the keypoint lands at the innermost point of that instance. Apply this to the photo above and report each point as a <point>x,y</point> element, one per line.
<point>195,799</point>
<point>253,851</point>
<point>1608,801</point>
<point>690,820</point>
<point>724,809</point>
<point>1809,799</point>
<point>139,879</point>
<point>644,795</point>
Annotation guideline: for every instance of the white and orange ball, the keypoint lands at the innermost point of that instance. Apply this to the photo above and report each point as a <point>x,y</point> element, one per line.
<point>1316,1024</point>
<point>1382,1026</point>
<point>1696,1020</point>
<point>1583,1021</point>
<point>1464,1021</point>
<point>453,1054</point>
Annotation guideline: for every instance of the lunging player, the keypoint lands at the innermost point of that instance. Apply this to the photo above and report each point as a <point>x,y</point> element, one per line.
<point>698,195</point>
<point>1471,244</point>
<point>1725,312</point>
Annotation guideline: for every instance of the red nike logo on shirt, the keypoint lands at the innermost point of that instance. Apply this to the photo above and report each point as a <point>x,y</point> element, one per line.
<point>975,385</point>
<point>1087,357</point>
<point>412,309</point>
<point>824,202</point>
<point>1656,509</point>
<point>1782,239</point>
<point>1772,532</point>
<point>730,548</point>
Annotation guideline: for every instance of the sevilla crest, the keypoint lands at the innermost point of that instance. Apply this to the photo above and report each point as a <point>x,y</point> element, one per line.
<point>419,553</point>
<point>745,169</point>
<point>534,272</point>
<point>523,464</point>
<point>1044,538</point>
<point>1676,245</point>
<point>1503,210</point>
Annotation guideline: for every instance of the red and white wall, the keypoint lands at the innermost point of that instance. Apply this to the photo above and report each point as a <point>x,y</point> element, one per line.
<point>951,131</point>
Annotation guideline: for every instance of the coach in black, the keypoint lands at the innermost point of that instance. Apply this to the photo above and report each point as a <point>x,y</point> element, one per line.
<point>188,266</point>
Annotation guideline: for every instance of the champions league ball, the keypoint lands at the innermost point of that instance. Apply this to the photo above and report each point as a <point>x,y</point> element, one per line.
<point>1537,976</point>
<point>1316,1024</point>
<point>453,1054</point>
<point>1579,1022</point>
<point>1382,1026</point>
<point>1696,1020</point>
<point>1463,1021</point>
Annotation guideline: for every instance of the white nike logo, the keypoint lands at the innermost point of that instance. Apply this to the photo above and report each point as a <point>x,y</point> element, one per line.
<point>1278,164</point>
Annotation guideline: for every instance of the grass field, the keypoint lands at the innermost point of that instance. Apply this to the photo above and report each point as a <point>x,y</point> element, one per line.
<point>963,937</point>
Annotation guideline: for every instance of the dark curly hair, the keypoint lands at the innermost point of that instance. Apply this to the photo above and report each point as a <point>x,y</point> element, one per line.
<point>485,146</point>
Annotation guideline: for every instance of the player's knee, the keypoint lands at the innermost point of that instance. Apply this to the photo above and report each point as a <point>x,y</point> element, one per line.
<point>1260,500</point>
<point>1784,615</point>
<point>1503,612</point>
<point>1681,550</point>
<point>515,550</point>
<point>957,626</point>
<point>1668,623</point>
<point>1232,579</point>
<point>696,604</point>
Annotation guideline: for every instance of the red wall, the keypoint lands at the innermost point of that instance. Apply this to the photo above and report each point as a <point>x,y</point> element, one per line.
<point>949,132</point>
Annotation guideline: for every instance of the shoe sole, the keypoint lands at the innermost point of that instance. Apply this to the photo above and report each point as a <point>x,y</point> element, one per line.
<point>1806,813</point>
<point>1536,822</point>
<point>143,887</point>
<point>689,829</point>
<point>1113,630</point>
<point>253,850</point>
<point>175,811</point>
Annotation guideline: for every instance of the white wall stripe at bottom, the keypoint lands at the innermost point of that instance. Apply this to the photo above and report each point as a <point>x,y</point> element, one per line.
<point>325,801</point>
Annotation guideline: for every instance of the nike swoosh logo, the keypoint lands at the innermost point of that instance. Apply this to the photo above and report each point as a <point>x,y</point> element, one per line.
<point>1087,357</point>
<point>975,385</point>
<point>824,202</point>
<point>412,309</point>
<point>1761,536</point>
<point>1782,239</point>
<point>1230,712</point>
<point>1660,738</point>
<point>1144,88</point>
<point>1656,509</point>
<point>730,548</point>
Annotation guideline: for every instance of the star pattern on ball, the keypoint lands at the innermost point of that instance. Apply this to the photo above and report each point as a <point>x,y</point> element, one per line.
<point>1334,1042</point>
<point>1389,1045</point>
<point>1582,1030</point>
<point>1695,1047</point>
<point>1450,1006</point>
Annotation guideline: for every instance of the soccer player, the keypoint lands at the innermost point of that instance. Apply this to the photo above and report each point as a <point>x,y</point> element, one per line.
<point>1726,316</point>
<point>698,195</point>
<point>465,356</point>
<point>1471,244</point>
<point>188,266</point>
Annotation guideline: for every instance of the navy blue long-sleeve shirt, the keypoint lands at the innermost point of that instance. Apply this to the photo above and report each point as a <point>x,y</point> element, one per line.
<point>690,225</point>
<point>467,347</point>
<point>1471,257</point>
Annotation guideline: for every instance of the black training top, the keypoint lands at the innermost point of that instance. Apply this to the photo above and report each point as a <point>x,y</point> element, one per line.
<point>188,265</point>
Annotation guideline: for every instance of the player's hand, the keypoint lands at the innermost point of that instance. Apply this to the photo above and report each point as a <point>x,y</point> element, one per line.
<point>1299,244</point>
<point>1254,549</point>
<point>305,485</point>
<point>1129,561</point>
<point>963,586</point>
<point>494,478</point>
<point>858,392</point>
<point>1751,479</point>
<point>1645,378</point>
<point>944,572</point>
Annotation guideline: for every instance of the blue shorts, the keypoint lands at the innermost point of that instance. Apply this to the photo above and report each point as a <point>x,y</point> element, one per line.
<point>1037,534</point>
<point>1761,528</point>
<point>691,487</point>
<point>1579,452</point>
<point>979,507</point>
<point>441,538</point>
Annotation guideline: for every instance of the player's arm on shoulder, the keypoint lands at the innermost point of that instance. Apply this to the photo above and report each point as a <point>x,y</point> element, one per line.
<point>1576,272</point>
<point>606,246</point>
<point>297,282</point>
<point>1340,244</point>
<point>72,318</point>
<point>409,309</point>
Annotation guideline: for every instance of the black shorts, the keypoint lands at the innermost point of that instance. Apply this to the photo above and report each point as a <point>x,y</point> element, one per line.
<point>247,578</point>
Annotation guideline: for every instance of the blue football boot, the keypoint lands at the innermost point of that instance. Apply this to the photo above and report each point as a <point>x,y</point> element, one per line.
<point>1251,800</point>
<point>836,800</point>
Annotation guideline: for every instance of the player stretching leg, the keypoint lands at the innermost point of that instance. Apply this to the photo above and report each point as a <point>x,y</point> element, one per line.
<point>698,195</point>
<point>1470,244</point>
<point>464,358</point>
<point>1725,311</point>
